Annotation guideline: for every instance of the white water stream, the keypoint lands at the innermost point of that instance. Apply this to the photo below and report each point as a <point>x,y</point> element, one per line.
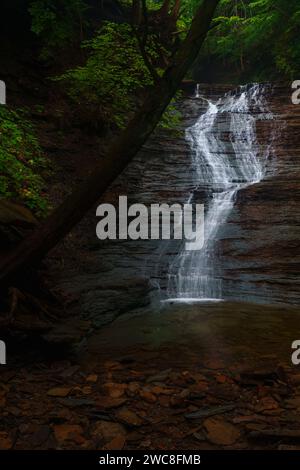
<point>226,158</point>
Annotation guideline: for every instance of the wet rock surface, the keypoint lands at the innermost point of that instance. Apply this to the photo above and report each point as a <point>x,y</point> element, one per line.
<point>203,376</point>
<point>260,243</point>
<point>257,248</point>
<point>174,376</point>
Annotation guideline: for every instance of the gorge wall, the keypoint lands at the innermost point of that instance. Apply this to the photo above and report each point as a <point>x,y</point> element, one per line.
<point>257,247</point>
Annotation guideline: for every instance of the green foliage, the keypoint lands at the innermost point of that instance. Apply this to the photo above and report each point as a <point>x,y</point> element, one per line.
<point>188,9</point>
<point>113,75</point>
<point>260,38</point>
<point>20,161</point>
<point>58,23</point>
<point>172,117</point>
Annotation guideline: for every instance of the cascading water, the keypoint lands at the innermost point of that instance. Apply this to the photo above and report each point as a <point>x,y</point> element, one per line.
<point>226,158</point>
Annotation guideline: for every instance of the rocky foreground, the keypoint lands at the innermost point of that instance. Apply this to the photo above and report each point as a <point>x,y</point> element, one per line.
<point>192,377</point>
<point>203,376</point>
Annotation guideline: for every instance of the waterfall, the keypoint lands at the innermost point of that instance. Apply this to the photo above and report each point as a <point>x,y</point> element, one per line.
<point>226,158</point>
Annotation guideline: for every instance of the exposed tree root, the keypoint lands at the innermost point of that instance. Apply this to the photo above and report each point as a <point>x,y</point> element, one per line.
<point>23,311</point>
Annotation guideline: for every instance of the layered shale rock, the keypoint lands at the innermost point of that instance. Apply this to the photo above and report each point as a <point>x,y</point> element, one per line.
<point>257,247</point>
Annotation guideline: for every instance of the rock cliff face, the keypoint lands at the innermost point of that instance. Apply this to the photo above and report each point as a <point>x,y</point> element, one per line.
<point>260,242</point>
<point>257,248</point>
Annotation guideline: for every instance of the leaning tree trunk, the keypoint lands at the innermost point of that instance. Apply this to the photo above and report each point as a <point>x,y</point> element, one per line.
<point>74,207</point>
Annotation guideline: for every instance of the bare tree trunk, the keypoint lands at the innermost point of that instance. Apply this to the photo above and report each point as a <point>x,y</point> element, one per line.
<point>74,207</point>
<point>136,12</point>
<point>176,9</point>
<point>164,10</point>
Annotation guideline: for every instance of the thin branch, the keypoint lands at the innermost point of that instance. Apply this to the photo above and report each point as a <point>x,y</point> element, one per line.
<point>142,42</point>
<point>146,59</point>
<point>176,10</point>
<point>164,10</point>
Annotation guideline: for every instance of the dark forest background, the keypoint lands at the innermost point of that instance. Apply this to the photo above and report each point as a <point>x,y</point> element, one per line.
<point>92,60</point>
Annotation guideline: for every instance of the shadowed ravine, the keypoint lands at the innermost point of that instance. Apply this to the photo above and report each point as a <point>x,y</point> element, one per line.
<point>244,168</point>
<point>184,375</point>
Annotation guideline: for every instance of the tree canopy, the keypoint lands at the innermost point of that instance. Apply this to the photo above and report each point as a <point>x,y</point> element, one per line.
<point>259,39</point>
<point>256,39</point>
<point>105,56</point>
